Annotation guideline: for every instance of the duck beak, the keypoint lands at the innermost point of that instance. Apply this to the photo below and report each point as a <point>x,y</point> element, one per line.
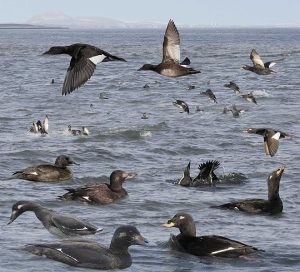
<point>13,216</point>
<point>280,170</point>
<point>168,225</point>
<point>130,175</point>
<point>140,240</point>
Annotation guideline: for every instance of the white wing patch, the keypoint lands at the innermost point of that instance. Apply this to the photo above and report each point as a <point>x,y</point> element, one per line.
<point>97,59</point>
<point>86,198</point>
<point>34,173</point>
<point>276,136</point>
<point>20,207</point>
<point>272,64</point>
<point>60,250</point>
<point>222,250</point>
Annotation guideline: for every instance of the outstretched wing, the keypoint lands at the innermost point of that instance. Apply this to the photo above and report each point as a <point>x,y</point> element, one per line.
<point>77,74</point>
<point>171,45</point>
<point>257,62</point>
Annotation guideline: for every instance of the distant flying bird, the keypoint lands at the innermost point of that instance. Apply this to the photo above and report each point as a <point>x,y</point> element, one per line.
<point>170,65</point>
<point>271,138</point>
<point>85,57</point>
<point>233,86</point>
<point>209,93</point>
<point>259,67</point>
<point>249,97</point>
<point>182,105</point>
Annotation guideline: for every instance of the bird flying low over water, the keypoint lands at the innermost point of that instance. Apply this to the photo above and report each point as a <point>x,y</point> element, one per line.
<point>249,97</point>
<point>85,57</point>
<point>209,93</point>
<point>182,105</point>
<point>259,67</point>
<point>233,86</point>
<point>271,138</point>
<point>170,65</point>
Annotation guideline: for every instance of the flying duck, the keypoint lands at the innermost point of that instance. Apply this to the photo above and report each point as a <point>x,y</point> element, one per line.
<point>249,97</point>
<point>208,245</point>
<point>233,86</point>
<point>89,254</point>
<point>271,138</point>
<point>48,172</point>
<point>209,93</point>
<point>182,105</point>
<point>273,205</point>
<point>170,65</point>
<point>85,57</point>
<point>259,67</point>
<point>101,193</point>
<point>56,223</point>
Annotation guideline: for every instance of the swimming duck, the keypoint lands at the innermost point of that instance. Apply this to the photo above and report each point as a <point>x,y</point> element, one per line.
<point>209,93</point>
<point>235,111</point>
<point>249,97</point>
<point>101,193</point>
<point>233,86</point>
<point>271,138</point>
<point>186,179</point>
<point>170,65</point>
<point>182,105</point>
<point>40,127</point>
<point>208,245</point>
<point>48,172</point>
<point>273,205</point>
<point>75,132</point>
<point>145,115</point>
<point>89,254</point>
<point>85,57</point>
<point>56,223</point>
<point>206,175</point>
<point>259,67</point>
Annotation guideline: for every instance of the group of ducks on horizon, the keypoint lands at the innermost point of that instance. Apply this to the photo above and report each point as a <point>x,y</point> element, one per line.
<point>93,255</point>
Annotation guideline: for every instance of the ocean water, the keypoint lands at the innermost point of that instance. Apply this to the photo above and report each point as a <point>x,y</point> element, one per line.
<point>158,148</point>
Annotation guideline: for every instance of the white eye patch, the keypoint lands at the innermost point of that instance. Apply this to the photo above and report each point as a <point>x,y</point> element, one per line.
<point>181,217</point>
<point>122,234</point>
<point>20,206</point>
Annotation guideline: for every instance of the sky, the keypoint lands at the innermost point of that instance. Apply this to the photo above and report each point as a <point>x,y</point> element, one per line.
<point>189,12</point>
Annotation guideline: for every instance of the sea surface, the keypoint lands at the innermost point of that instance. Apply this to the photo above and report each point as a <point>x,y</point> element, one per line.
<point>158,148</point>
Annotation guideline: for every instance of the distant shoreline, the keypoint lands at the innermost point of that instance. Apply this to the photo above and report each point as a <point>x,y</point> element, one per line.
<point>28,26</point>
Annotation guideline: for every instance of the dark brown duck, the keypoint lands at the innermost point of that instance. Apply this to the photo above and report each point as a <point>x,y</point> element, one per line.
<point>170,65</point>
<point>101,193</point>
<point>48,172</point>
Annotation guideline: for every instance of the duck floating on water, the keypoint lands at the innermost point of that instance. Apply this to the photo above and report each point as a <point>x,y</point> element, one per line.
<point>56,223</point>
<point>89,254</point>
<point>208,245</point>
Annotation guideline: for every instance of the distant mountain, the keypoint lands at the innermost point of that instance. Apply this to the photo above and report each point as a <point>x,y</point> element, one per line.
<point>62,20</point>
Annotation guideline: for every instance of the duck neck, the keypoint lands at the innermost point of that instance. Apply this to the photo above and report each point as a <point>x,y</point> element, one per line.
<point>116,186</point>
<point>273,188</point>
<point>117,247</point>
<point>188,229</point>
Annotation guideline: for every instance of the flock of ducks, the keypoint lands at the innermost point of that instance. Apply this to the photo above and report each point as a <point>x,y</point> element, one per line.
<point>87,253</point>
